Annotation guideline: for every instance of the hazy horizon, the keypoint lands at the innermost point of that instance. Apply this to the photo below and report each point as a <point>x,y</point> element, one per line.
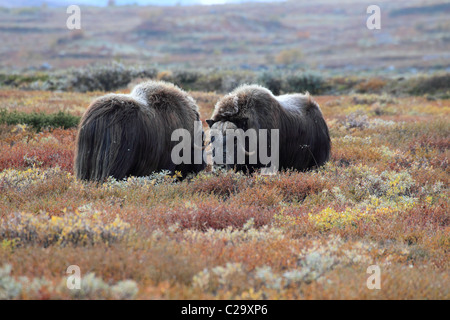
<point>100,3</point>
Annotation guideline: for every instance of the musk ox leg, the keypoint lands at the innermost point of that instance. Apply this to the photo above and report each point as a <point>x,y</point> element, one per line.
<point>198,164</point>
<point>194,165</point>
<point>116,138</point>
<point>197,167</point>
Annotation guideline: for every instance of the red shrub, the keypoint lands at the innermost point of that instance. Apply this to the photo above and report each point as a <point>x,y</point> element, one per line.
<point>46,149</point>
<point>223,185</point>
<point>214,215</point>
<point>298,185</point>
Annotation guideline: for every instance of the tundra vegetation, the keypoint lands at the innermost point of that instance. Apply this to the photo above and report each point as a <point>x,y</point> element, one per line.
<point>382,199</point>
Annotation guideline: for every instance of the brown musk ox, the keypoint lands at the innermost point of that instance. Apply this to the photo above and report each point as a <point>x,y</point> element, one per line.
<point>123,135</point>
<point>302,136</point>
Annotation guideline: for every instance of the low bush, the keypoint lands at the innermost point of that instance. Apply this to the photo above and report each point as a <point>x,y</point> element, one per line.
<point>430,85</point>
<point>86,228</point>
<point>305,81</point>
<point>372,85</point>
<point>39,120</point>
<point>17,80</point>
<point>116,76</point>
<point>104,78</point>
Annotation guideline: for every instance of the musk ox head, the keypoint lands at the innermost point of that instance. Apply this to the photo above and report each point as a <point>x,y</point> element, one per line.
<point>229,143</point>
<point>289,130</point>
<point>235,126</point>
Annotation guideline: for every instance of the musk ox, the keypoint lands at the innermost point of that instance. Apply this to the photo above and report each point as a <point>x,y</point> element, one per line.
<point>302,137</point>
<point>122,135</point>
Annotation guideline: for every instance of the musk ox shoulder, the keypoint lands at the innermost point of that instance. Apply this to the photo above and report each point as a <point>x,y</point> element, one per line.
<point>122,135</point>
<point>302,136</point>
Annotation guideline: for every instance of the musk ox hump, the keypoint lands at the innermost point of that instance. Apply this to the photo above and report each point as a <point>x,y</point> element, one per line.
<point>175,109</point>
<point>164,96</point>
<point>242,102</point>
<point>227,107</point>
<point>298,102</point>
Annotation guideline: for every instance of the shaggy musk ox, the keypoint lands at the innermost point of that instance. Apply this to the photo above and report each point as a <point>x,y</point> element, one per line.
<point>130,135</point>
<point>304,140</point>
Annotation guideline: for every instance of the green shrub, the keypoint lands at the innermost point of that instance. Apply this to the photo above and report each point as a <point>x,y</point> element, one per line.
<point>210,82</point>
<point>224,81</point>
<point>186,79</point>
<point>114,76</point>
<point>305,81</point>
<point>17,80</point>
<point>39,120</point>
<point>104,77</point>
<point>430,84</point>
<point>272,81</point>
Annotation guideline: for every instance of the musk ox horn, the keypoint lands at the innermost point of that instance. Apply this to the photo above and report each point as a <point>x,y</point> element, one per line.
<point>122,135</point>
<point>200,148</point>
<point>247,153</point>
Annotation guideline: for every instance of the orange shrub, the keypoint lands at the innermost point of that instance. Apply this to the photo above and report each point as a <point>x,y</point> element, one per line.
<point>48,149</point>
<point>372,85</point>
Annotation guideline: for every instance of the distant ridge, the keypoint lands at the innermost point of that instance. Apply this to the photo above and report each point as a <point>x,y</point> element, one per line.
<point>102,3</point>
<point>436,8</point>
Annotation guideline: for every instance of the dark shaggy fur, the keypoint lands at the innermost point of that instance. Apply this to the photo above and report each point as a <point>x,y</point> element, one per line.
<point>130,135</point>
<point>304,136</point>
